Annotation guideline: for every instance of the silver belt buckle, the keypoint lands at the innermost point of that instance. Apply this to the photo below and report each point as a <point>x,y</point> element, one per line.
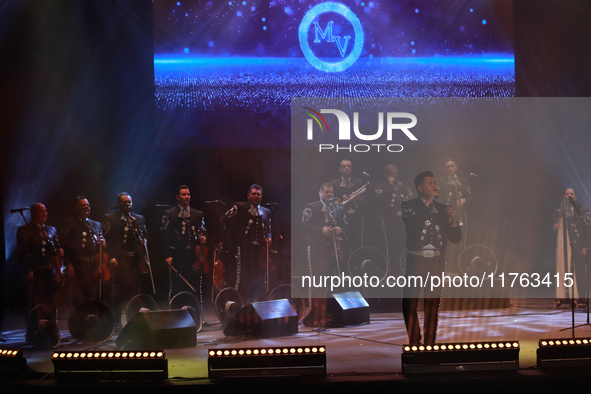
<point>428,253</point>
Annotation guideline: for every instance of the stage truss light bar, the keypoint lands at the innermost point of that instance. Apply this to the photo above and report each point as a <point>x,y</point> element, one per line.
<point>110,365</point>
<point>560,353</point>
<point>461,357</point>
<point>12,360</point>
<point>267,361</point>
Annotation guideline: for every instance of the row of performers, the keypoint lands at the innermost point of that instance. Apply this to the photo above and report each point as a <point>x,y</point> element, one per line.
<point>115,251</point>
<point>122,236</point>
<point>111,256</point>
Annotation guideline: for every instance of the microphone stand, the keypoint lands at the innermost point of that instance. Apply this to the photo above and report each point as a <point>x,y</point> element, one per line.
<point>279,237</point>
<point>565,249</point>
<point>578,211</point>
<point>23,216</point>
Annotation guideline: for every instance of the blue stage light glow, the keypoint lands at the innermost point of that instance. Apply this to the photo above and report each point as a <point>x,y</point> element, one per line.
<point>308,21</point>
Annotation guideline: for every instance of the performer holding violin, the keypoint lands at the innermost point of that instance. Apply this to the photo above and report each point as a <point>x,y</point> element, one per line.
<point>39,249</point>
<point>183,236</point>
<point>125,235</point>
<point>251,229</point>
<point>82,240</point>
<point>325,223</point>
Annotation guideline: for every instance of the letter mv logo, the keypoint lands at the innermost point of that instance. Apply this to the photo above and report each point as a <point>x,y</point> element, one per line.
<point>326,36</point>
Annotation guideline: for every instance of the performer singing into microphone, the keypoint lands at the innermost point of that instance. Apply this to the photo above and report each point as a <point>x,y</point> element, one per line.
<point>578,222</point>
<point>325,224</point>
<point>82,239</point>
<point>124,233</point>
<point>183,229</point>
<point>250,227</point>
<point>429,225</point>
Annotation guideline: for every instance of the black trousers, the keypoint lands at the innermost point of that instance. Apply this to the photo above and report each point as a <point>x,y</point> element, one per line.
<point>183,261</point>
<point>420,267</point>
<point>125,283</point>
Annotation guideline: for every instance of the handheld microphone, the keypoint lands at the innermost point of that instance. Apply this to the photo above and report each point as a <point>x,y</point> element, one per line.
<point>576,206</point>
<point>215,202</point>
<point>15,210</point>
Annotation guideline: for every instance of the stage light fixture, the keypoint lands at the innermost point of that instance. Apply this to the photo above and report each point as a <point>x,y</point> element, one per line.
<point>267,361</point>
<point>12,362</point>
<point>110,365</point>
<point>560,353</point>
<point>461,357</point>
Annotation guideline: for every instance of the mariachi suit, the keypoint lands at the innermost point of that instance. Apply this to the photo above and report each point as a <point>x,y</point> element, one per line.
<point>80,241</point>
<point>180,236</point>
<point>388,200</point>
<point>37,247</point>
<point>250,232</point>
<point>322,258</point>
<point>450,190</point>
<point>427,231</point>
<point>120,232</point>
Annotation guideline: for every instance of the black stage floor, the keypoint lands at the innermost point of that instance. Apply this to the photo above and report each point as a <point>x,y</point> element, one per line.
<point>363,357</point>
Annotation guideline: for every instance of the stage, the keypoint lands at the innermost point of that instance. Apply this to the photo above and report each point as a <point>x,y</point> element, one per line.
<point>364,356</point>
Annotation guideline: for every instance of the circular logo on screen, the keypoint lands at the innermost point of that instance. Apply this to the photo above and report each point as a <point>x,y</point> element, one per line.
<point>336,35</point>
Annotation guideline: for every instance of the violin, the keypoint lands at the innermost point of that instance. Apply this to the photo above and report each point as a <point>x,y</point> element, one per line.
<point>102,258</point>
<point>57,263</point>
<point>142,249</point>
<point>144,263</point>
<point>201,263</point>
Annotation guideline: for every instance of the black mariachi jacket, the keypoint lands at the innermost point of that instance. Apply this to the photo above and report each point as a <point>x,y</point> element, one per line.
<point>428,225</point>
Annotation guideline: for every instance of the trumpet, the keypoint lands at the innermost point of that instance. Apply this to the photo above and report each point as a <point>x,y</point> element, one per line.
<point>355,194</point>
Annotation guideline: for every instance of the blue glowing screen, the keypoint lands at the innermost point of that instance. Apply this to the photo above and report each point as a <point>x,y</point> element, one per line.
<point>234,66</point>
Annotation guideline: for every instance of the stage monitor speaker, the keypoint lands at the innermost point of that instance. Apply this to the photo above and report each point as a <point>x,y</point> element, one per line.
<point>159,330</point>
<point>347,309</point>
<point>264,319</point>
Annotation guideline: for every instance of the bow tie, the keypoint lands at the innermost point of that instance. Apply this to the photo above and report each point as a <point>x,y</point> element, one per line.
<point>184,213</point>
